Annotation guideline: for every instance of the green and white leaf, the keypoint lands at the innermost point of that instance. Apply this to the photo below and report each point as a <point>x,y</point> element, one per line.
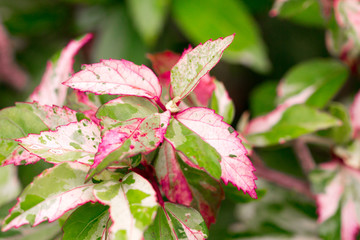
<point>88,222</point>
<point>132,204</point>
<point>77,141</point>
<point>53,193</point>
<point>296,121</point>
<point>222,103</point>
<point>194,64</point>
<point>176,222</point>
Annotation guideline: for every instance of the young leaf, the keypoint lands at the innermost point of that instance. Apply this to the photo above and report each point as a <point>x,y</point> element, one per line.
<point>222,103</point>
<point>25,118</point>
<point>126,108</point>
<point>87,222</point>
<point>53,193</point>
<point>194,64</point>
<point>129,139</point>
<point>295,121</point>
<point>148,17</point>
<point>132,204</point>
<point>204,19</point>
<point>340,197</point>
<point>51,91</point>
<point>235,166</point>
<point>323,77</point>
<point>186,185</point>
<point>77,141</point>
<point>198,151</point>
<point>355,115</point>
<point>116,77</point>
<point>175,222</point>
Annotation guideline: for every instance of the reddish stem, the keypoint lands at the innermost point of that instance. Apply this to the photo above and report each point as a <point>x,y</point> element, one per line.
<point>304,156</point>
<point>148,174</point>
<point>161,105</point>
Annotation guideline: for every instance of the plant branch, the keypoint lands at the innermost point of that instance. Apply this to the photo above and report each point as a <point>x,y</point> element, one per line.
<point>161,105</point>
<point>304,155</point>
<point>280,178</point>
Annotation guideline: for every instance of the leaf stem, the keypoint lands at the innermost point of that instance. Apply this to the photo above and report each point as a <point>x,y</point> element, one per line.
<point>160,104</point>
<point>280,178</point>
<point>304,155</point>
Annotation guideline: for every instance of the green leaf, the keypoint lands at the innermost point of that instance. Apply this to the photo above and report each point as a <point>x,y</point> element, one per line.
<point>9,184</point>
<point>132,204</point>
<point>297,120</point>
<point>87,222</point>
<point>232,193</point>
<point>222,103</point>
<point>205,19</point>
<point>194,64</point>
<point>306,12</point>
<point>175,222</point>
<point>149,17</point>
<point>322,78</point>
<point>126,108</point>
<point>197,150</point>
<point>262,98</point>
<point>53,193</point>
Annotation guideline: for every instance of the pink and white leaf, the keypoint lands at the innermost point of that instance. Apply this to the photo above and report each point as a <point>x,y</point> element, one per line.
<point>116,77</point>
<point>131,138</point>
<point>235,165</point>
<point>52,193</point>
<point>77,141</point>
<point>172,180</point>
<point>355,116</point>
<point>194,64</point>
<point>129,218</point>
<point>51,91</point>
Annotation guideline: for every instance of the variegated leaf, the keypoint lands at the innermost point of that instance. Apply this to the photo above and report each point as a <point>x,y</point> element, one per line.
<point>9,184</point>
<point>355,115</point>
<point>175,222</point>
<point>347,13</point>
<point>235,165</point>
<point>126,108</point>
<point>25,118</point>
<point>53,193</point>
<point>194,64</point>
<point>77,141</point>
<point>51,91</point>
<point>132,204</point>
<point>199,152</point>
<point>129,139</point>
<point>222,103</point>
<point>116,77</point>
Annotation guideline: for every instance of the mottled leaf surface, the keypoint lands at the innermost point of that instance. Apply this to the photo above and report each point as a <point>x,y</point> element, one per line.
<point>87,222</point>
<point>51,91</point>
<point>235,166</point>
<point>129,139</point>
<point>198,151</point>
<point>338,195</point>
<point>222,103</point>
<point>116,77</point>
<point>25,118</point>
<point>175,222</point>
<point>77,141</point>
<point>132,205</point>
<point>53,193</point>
<point>295,121</point>
<point>194,64</point>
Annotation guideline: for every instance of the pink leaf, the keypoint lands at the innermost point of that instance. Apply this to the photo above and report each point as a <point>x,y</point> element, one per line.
<point>355,115</point>
<point>235,165</point>
<point>51,91</point>
<point>347,13</point>
<point>116,77</point>
<point>170,176</point>
<point>162,64</point>
<point>131,138</point>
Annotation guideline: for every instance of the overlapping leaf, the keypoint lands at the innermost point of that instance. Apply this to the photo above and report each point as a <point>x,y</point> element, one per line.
<point>294,122</point>
<point>87,222</point>
<point>139,135</point>
<point>338,195</point>
<point>355,115</point>
<point>177,222</point>
<point>186,185</point>
<point>222,103</point>
<point>194,64</point>
<point>132,204</point>
<point>9,184</point>
<point>347,14</point>
<point>235,166</point>
<point>54,192</point>
<point>116,77</point>
<point>25,118</point>
<point>77,141</point>
<point>51,91</point>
